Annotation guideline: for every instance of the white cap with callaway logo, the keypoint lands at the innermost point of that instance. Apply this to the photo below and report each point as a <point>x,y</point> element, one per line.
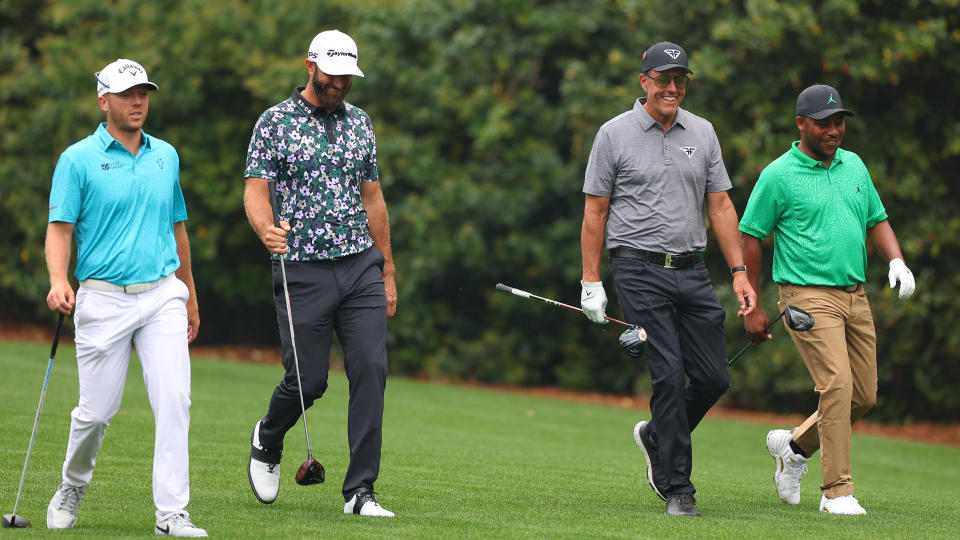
<point>121,75</point>
<point>335,53</point>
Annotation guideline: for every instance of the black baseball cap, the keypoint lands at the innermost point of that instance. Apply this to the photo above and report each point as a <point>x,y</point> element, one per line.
<point>663,56</point>
<point>820,101</point>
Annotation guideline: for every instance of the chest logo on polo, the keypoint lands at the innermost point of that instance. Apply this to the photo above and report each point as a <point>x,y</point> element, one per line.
<point>689,150</point>
<point>113,165</point>
<point>858,188</point>
<point>673,53</point>
<point>160,163</point>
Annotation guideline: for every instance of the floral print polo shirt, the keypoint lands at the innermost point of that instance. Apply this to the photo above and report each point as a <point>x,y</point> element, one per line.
<point>318,160</point>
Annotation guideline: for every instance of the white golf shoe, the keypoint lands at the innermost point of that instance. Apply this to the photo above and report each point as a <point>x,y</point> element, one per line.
<point>847,505</point>
<point>263,470</point>
<point>790,466</point>
<point>64,507</point>
<point>178,525</point>
<point>365,503</point>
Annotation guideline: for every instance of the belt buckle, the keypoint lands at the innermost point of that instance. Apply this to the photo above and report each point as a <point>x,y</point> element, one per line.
<point>668,261</point>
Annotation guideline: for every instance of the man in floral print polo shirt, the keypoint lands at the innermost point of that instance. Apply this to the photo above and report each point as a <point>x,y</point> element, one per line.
<point>334,236</point>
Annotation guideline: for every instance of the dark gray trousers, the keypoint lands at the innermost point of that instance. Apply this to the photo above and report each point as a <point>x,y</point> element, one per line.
<point>684,322</point>
<point>345,296</point>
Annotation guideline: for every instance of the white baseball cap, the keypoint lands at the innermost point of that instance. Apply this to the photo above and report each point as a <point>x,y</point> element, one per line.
<point>120,75</point>
<point>335,53</point>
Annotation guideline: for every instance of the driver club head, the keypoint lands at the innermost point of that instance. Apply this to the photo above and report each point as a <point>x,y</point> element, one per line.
<point>311,472</point>
<point>13,521</point>
<point>633,341</point>
<point>797,319</point>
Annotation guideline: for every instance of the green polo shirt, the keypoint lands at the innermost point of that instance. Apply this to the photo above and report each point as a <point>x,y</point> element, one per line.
<point>819,217</point>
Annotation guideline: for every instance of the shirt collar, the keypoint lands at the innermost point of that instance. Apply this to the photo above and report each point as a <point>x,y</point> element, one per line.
<point>647,121</point>
<point>106,139</point>
<point>808,161</point>
<point>310,108</point>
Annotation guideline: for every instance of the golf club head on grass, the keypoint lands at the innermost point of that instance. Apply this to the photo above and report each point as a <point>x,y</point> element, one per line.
<point>795,318</point>
<point>13,521</point>
<point>311,472</point>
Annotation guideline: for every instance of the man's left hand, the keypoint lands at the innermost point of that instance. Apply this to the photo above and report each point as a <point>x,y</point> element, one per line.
<point>746,297</point>
<point>900,272</point>
<point>390,288</point>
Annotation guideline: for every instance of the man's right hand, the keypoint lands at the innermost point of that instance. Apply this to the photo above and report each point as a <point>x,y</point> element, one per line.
<point>61,297</point>
<point>275,238</point>
<point>593,300</point>
<point>755,325</point>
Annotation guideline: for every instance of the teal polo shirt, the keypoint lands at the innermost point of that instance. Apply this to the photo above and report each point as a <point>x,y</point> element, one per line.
<point>819,217</point>
<point>123,207</point>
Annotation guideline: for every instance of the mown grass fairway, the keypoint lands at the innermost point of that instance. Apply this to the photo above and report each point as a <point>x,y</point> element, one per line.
<point>457,463</point>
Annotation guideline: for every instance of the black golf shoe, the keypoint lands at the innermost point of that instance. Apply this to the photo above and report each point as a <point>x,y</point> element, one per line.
<point>263,469</point>
<point>656,476</point>
<point>683,504</point>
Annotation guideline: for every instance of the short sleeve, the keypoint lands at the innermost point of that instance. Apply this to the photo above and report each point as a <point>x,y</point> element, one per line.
<point>601,172</point>
<point>65,191</point>
<point>764,207</point>
<point>262,159</point>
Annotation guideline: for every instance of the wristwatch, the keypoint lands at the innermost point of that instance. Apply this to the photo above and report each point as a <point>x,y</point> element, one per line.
<point>736,269</point>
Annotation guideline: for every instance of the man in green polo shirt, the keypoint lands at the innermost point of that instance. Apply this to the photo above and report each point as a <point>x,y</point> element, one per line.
<point>818,200</point>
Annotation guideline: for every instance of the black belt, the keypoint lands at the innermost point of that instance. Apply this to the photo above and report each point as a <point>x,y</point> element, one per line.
<point>851,288</point>
<point>667,260</point>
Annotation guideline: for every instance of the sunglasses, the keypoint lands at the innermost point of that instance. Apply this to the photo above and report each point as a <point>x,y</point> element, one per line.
<point>663,81</point>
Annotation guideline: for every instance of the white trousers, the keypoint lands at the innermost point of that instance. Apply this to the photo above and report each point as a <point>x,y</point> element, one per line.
<point>107,324</point>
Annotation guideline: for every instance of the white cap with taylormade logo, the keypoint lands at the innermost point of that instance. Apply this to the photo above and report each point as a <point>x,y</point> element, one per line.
<point>335,53</point>
<point>120,75</point>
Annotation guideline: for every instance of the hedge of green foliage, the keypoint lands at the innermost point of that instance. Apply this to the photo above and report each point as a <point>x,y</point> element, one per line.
<point>485,111</point>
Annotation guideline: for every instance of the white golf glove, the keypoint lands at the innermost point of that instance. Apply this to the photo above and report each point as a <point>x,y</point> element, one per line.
<point>900,272</point>
<point>593,300</point>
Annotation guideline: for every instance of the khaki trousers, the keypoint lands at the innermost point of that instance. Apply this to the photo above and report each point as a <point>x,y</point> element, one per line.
<point>840,353</point>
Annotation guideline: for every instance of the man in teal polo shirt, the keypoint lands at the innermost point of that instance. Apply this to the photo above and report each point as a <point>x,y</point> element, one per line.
<point>118,192</point>
<point>820,204</point>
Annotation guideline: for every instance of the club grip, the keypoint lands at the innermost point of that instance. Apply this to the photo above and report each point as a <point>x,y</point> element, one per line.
<point>56,336</point>
<point>504,288</point>
<point>272,188</point>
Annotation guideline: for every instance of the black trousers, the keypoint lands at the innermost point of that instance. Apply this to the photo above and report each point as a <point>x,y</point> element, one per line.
<point>684,322</point>
<point>345,296</point>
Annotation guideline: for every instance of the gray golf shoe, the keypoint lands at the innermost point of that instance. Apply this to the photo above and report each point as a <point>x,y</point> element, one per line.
<point>64,507</point>
<point>656,476</point>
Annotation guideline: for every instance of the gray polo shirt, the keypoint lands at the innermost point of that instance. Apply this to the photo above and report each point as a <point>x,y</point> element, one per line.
<point>656,181</point>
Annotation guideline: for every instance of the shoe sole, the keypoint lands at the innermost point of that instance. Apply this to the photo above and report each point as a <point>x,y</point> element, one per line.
<point>778,462</point>
<point>250,477</point>
<point>646,456</point>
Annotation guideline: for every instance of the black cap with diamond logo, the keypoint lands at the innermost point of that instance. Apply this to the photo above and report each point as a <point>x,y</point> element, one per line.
<point>663,56</point>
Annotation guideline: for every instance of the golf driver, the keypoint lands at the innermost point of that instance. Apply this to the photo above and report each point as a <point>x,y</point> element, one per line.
<point>633,340</point>
<point>311,471</point>
<point>13,520</point>
<point>796,319</point>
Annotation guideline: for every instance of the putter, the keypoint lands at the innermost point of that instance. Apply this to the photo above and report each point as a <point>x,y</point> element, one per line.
<point>633,340</point>
<point>311,471</point>
<point>797,320</point>
<point>13,520</point>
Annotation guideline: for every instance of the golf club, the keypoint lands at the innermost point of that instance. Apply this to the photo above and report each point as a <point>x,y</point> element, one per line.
<point>795,318</point>
<point>311,471</point>
<point>633,340</point>
<point>13,520</point>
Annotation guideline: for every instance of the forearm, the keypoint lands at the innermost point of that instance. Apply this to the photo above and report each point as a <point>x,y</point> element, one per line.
<point>723,220</point>
<point>751,249</point>
<point>596,210</point>
<point>256,204</point>
<point>57,250</point>
<point>884,239</point>
<point>185,272</point>
<point>379,220</point>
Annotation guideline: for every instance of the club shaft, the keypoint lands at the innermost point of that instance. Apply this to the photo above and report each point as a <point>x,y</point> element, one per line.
<point>272,188</point>
<point>36,419</point>
<point>750,342</point>
<point>525,294</point>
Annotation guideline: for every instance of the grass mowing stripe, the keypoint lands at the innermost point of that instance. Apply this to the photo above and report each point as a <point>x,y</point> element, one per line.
<point>457,462</point>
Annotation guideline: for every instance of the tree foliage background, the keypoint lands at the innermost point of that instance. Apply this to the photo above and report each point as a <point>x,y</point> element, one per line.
<point>485,113</point>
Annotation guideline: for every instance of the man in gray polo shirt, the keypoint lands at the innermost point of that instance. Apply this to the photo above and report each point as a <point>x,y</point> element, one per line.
<point>649,173</point>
